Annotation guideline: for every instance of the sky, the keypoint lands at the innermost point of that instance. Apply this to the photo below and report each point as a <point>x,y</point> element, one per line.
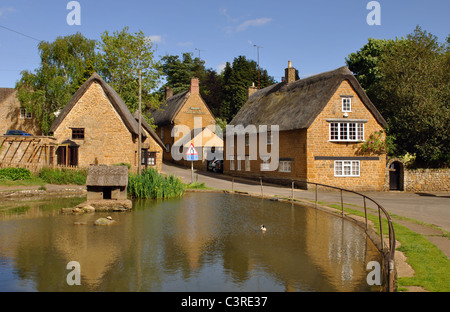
<point>316,36</point>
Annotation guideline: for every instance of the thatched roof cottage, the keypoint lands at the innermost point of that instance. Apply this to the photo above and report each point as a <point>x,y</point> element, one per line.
<point>323,120</point>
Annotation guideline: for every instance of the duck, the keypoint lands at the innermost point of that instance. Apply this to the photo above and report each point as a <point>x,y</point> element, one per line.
<point>263,228</point>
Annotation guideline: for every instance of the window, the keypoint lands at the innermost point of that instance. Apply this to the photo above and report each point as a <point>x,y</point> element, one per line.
<point>24,114</point>
<point>346,131</point>
<point>346,104</point>
<point>151,161</point>
<point>265,166</point>
<point>346,168</point>
<point>247,163</point>
<point>284,166</point>
<point>78,133</point>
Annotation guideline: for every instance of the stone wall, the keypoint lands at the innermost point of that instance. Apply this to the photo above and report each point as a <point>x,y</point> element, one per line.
<point>427,180</point>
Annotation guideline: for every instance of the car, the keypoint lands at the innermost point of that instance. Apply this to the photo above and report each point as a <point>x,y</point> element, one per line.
<point>17,132</point>
<point>217,166</point>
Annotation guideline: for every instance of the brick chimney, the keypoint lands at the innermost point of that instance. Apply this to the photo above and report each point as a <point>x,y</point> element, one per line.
<point>169,93</point>
<point>251,90</point>
<point>195,89</point>
<point>289,73</point>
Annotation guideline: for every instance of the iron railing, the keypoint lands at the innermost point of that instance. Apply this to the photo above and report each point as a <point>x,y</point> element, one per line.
<point>388,251</point>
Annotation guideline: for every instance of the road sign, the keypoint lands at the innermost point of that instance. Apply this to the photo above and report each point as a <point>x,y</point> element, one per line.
<point>192,154</point>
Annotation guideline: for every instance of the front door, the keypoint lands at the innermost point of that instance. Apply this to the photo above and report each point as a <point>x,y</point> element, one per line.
<point>394,176</point>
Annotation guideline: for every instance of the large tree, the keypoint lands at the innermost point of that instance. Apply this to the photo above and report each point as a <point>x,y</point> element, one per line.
<point>236,80</point>
<point>63,65</point>
<point>121,56</point>
<point>408,80</point>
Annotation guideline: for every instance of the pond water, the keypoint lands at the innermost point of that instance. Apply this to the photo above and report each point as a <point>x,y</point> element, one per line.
<point>201,242</point>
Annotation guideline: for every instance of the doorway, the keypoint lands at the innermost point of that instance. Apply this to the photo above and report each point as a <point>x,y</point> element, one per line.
<point>396,176</point>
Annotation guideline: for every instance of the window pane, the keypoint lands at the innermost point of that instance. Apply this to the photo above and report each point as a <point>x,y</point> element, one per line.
<point>334,131</point>
<point>361,131</point>
<point>338,168</point>
<point>343,131</point>
<point>352,131</point>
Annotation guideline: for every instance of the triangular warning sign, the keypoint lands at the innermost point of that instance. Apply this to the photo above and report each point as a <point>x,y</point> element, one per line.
<point>192,150</point>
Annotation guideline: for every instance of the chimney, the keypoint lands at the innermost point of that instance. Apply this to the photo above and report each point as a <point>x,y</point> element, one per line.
<point>289,73</point>
<point>251,90</point>
<point>169,93</point>
<point>195,89</point>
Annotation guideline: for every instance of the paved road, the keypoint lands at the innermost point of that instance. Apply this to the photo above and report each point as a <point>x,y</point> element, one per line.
<point>429,208</point>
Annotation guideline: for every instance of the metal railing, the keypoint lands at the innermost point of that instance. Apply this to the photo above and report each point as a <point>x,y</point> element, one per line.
<point>388,251</point>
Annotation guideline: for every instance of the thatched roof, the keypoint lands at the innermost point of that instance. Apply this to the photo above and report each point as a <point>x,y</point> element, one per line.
<point>114,98</point>
<point>168,110</point>
<point>107,176</point>
<point>296,105</point>
<point>5,93</point>
<point>149,129</point>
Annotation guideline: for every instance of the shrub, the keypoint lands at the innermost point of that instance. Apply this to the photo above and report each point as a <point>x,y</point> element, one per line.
<point>63,176</point>
<point>150,184</point>
<point>15,174</point>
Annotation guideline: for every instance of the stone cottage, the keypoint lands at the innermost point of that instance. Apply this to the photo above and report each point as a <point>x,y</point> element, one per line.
<point>323,121</point>
<point>96,127</point>
<point>14,116</point>
<point>190,113</point>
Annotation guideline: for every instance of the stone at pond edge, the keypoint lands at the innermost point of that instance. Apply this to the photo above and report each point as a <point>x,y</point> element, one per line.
<point>104,221</point>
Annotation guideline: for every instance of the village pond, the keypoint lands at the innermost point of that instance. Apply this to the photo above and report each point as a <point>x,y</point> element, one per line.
<point>200,242</point>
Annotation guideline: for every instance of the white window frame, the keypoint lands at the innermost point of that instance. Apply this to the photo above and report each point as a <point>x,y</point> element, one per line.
<point>265,165</point>
<point>285,166</point>
<point>346,131</point>
<point>24,114</point>
<point>346,104</point>
<point>347,168</point>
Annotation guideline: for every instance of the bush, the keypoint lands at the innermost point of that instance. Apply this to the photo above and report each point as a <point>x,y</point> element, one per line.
<point>15,174</point>
<point>63,176</point>
<point>150,184</point>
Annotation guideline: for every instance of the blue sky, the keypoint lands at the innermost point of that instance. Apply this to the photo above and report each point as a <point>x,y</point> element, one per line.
<point>315,35</point>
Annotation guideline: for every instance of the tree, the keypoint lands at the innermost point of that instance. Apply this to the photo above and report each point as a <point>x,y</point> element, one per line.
<point>63,65</point>
<point>408,81</point>
<point>237,78</point>
<point>121,57</point>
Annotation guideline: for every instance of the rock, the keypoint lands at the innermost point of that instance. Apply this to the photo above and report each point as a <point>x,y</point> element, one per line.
<point>88,208</point>
<point>77,210</point>
<point>67,210</point>
<point>104,221</point>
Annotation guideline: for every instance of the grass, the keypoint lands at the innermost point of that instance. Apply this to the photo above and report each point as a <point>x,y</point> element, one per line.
<point>151,184</point>
<point>430,264</point>
<point>63,176</point>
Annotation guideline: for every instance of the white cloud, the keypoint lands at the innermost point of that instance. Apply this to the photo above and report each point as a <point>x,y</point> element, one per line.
<point>221,67</point>
<point>253,23</point>
<point>155,38</point>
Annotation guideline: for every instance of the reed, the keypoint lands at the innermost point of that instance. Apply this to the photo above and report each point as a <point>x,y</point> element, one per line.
<point>150,184</point>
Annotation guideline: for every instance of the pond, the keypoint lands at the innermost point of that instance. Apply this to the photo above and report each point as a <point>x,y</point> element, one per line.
<point>201,242</point>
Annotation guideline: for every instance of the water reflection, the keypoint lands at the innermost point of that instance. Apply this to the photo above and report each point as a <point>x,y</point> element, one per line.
<point>202,242</point>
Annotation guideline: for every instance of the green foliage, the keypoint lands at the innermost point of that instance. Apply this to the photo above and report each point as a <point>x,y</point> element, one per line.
<point>121,56</point>
<point>409,82</point>
<point>375,144</point>
<point>51,86</point>
<point>63,176</point>
<point>15,174</point>
<point>150,184</point>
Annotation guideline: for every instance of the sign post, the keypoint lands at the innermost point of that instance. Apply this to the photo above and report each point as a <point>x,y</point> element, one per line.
<point>192,156</point>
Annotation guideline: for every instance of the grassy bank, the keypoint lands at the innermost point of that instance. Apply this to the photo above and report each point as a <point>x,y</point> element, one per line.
<point>431,266</point>
<point>24,177</point>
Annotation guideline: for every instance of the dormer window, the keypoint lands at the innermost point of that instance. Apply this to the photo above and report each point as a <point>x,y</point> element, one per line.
<point>346,104</point>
